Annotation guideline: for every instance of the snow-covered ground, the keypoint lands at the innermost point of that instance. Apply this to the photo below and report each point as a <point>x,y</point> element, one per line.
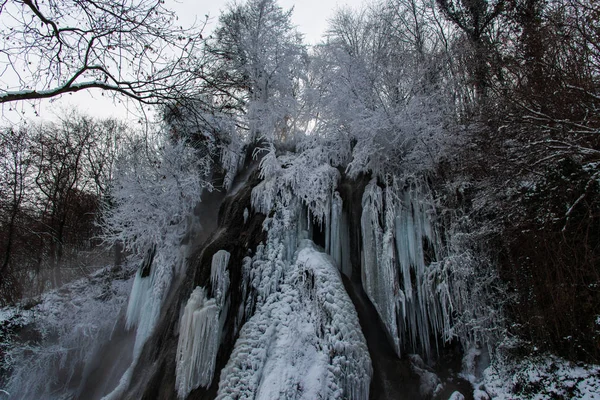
<point>541,378</point>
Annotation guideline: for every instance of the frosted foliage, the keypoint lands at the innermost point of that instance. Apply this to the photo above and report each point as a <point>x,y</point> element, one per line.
<point>219,276</point>
<point>303,342</point>
<point>153,195</point>
<point>398,274</point>
<point>288,177</point>
<point>199,337</point>
<point>541,377</point>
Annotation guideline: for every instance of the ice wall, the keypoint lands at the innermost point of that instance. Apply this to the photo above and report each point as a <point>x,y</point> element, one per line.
<point>302,339</point>
<point>400,245</point>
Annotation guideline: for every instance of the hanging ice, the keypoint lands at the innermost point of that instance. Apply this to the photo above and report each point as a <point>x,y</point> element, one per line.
<point>219,276</point>
<point>199,336</point>
<point>200,329</point>
<point>398,274</point>
<point>339,235</point>
<point>379,276</point>
<point>149,289</point>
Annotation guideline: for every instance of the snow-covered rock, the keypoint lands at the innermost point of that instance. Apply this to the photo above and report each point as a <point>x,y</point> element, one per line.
<point>304,342</point>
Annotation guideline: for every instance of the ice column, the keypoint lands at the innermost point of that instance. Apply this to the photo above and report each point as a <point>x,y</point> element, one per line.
<point>340,236</point>
<point>199,336</point>
<point>200,330</point>
<point>219,276</point>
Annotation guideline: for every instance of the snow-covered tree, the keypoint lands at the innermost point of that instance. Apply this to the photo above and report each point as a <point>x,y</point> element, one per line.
<point>380,91</point>
<point>257,62</point>
<point>155,189</point>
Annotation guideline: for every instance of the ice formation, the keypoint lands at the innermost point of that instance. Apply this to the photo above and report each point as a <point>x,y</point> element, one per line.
<point>219,276</point>
<point>303,339</point>
<point>148,292</point>
<point>199,335</point>
<point>200,330</point>
<point>400,245</point>
<point>339,236</point>
<point>304,342</point>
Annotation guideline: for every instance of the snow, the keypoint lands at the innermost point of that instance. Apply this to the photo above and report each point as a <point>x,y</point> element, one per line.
<point>304,342</point>
<point>456,396</point>
<point>541,377</point>
<point>288,179</point>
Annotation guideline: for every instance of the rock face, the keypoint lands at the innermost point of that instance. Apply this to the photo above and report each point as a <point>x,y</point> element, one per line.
<point>262,312</point>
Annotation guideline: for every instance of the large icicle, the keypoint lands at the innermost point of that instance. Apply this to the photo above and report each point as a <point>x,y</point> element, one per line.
<point>340,236</point>
<point>378,272</point>
<point>417,244</point>
<point>150,287</point>
<point>199,336</point>
<point>200,329</point>
<point>397,270</point>
<point>219,276</point>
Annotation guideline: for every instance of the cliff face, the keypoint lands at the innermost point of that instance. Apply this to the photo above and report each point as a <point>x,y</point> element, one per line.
<point>154,376</point>
<point>284,289</point>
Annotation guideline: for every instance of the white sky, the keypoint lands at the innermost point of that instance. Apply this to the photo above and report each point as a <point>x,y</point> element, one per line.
<point>310,16</point>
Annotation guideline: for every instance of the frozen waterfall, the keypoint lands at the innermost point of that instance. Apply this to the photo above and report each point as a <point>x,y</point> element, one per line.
<point>400,245</point>
<point>200,330</point>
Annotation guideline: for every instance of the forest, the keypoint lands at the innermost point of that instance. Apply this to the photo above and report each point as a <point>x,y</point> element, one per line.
<point>408,209</point>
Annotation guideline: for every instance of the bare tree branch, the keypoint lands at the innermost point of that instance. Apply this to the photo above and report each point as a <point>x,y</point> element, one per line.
<point>128,47</point>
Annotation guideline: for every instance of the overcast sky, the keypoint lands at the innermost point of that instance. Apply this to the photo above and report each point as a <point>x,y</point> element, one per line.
<point>310,16</point>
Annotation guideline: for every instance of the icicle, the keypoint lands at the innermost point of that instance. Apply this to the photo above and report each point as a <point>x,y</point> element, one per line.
<point>139,293</point>
<point>335,229</point>
<point>421,306</point>
<point>199,336</point>
<point>398,276</point>
<point>219,276</point>
<point>340,236</point>
<point>378,264</point>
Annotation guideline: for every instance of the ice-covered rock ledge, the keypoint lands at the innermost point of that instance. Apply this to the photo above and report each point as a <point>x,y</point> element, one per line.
<point>304,342</point>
